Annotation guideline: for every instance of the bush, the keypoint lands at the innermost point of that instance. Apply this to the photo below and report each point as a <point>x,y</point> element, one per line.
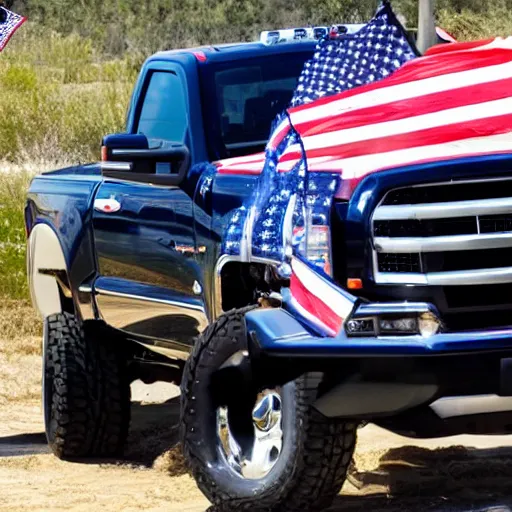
<point>58,97</point>
<point>13,186</point>
<point>468,25</point>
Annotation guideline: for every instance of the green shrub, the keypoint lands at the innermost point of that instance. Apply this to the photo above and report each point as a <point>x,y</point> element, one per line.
<point>58,97</point>
<point>13,281</point>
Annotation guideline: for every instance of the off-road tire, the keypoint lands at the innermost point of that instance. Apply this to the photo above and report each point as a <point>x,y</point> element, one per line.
<point>86,392</point>
<point>316,451</point>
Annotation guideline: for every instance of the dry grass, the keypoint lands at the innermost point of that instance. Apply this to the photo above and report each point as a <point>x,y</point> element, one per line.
<point>13,188</point>
<point>58,97</point>
<point>20,377</point>
<point>19,322</point>
<point>20,352</point>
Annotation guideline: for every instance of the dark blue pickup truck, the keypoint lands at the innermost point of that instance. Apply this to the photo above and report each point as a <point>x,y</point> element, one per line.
<point>126,267</point>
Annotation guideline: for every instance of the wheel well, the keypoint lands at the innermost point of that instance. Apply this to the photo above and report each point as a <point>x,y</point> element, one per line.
<point>243,283</point>
<point>47,273</point>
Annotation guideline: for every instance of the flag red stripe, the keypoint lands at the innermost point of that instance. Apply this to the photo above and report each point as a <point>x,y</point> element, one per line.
<point>433,159</point>
<point>456,47</point>
<point>314,305</point>
<point>402,109</point>
<point>414,139</point>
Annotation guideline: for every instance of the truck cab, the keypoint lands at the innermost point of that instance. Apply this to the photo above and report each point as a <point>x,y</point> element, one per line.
<point>219,100</point>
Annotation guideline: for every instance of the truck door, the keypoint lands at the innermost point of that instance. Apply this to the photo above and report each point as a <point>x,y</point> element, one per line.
<point>148,282</point>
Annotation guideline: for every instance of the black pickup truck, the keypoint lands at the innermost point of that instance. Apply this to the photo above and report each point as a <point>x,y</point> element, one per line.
<point>130,267</point>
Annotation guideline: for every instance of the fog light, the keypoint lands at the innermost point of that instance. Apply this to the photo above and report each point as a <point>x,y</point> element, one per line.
<point>400,325</point>
<point>428,325</point>
<point>364,326</point>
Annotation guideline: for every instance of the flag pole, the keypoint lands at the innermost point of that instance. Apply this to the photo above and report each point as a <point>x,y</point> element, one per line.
<point>427,36</point>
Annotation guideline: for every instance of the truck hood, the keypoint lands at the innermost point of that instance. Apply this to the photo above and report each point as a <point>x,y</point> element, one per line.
<point>454,102</point>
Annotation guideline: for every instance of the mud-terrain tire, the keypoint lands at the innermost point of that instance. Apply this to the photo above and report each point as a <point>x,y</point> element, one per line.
<point>316,452</point>
<point>86,392</point>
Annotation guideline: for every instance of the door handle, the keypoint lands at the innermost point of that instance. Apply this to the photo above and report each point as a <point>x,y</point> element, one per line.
<point>186,250</point>
<point>107,205</point>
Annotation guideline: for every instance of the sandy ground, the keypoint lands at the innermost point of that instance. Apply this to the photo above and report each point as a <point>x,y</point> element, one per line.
<point>460,474</point>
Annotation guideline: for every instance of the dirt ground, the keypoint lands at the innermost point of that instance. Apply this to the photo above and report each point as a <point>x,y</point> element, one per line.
<point>459,474</point>
<point>393,474</point>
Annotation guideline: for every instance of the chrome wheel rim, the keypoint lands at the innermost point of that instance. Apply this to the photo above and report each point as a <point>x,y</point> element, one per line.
<point>267,441</point>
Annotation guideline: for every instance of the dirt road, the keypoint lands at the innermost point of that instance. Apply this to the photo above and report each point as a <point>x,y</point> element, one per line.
<point>393,473</point>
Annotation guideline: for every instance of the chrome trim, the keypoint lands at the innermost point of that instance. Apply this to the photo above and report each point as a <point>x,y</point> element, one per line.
<point>460,277</point>
<point>101,291</point>
<point>125,151</point>
<point>456,406</point>
<point>400,245</point>
<point>116,166</point>
<point>132,313</point>
<point>392,308</point>
<point>246,241</point>
<point>267,439</point>
<point>217,285</point>
<point>420,245</point>
<point>447,210</point>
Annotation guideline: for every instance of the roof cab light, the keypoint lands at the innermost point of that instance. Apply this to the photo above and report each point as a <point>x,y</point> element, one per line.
<point>270,37</point>
<point>200,56</point>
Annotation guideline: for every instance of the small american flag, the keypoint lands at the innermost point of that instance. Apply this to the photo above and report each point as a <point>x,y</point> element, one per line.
<point>9,23</point>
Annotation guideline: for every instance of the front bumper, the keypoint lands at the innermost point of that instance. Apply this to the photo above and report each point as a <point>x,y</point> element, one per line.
<point>276,332</point>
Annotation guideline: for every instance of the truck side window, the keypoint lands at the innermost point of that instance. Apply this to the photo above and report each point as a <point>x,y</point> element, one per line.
<point>164,112</point>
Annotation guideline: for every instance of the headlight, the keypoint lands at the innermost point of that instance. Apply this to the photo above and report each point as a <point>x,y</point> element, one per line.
<point>313,241</point>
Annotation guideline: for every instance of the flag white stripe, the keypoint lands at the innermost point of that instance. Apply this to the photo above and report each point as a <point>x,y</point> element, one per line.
<point>242,159</point>
<point>311,318</point>
<point>362,165</point>
<point>499,43</point>
<point>400,92</point>
<point>318,287</point>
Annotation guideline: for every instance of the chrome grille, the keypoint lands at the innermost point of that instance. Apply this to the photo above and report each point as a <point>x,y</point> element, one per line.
<point>444,234</point>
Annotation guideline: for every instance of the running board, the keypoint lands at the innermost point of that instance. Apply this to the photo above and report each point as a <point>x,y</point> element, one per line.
<point>457,406</point>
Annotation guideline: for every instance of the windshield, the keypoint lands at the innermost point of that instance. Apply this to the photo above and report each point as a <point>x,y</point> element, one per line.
<point>245,99</point>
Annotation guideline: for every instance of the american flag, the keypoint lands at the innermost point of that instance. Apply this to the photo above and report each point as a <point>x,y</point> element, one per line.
<point>453,102</point>
<point>350,60</point>
<point>9,23</point>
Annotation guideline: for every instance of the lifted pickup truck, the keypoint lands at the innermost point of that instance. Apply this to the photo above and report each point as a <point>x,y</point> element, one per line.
<point>127,265</point>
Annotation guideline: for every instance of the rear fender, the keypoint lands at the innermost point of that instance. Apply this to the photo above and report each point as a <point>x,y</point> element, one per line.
<point>46,271</point>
